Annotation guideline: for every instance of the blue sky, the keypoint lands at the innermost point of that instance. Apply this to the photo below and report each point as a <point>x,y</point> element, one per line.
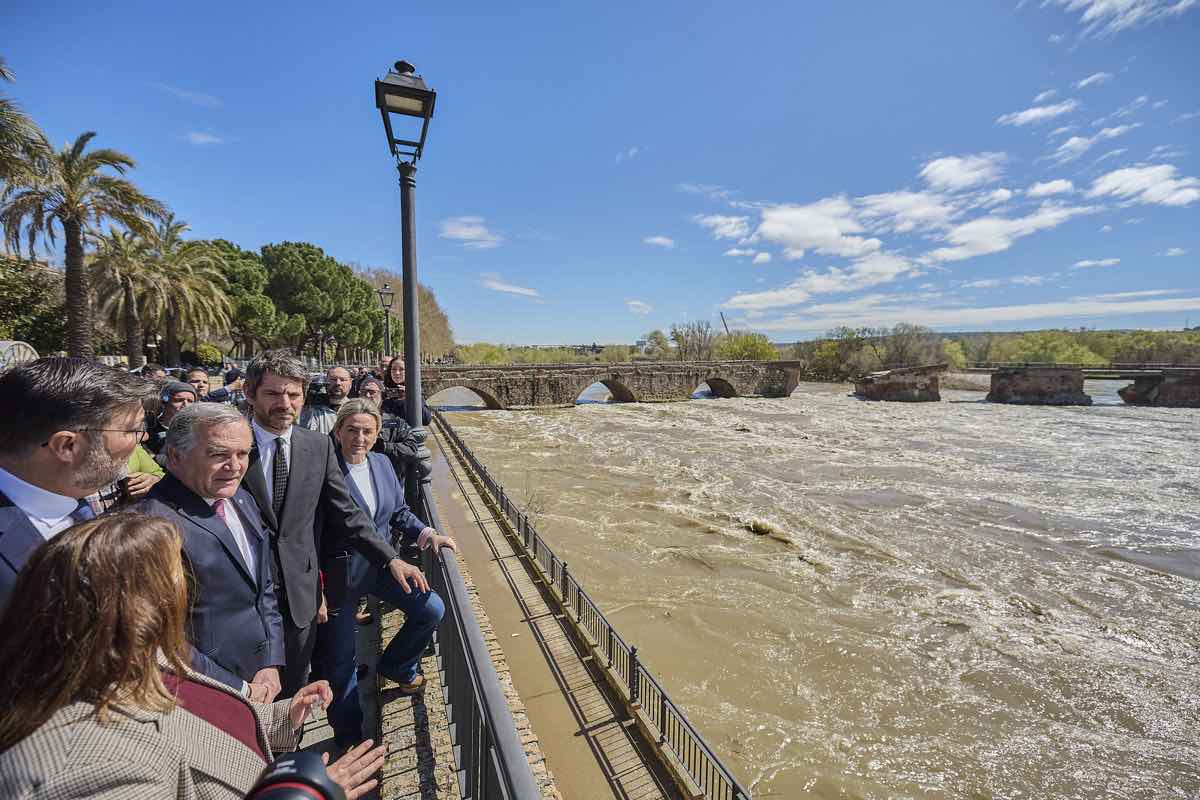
<point>595,170</point>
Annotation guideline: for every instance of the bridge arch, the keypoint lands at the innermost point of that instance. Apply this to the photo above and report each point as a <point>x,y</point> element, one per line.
<point>719,387</point>
<point>484,394</point>
<point>619,391</point>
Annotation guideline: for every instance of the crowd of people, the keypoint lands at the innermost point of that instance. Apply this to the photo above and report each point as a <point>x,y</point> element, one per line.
<point>181,571</point>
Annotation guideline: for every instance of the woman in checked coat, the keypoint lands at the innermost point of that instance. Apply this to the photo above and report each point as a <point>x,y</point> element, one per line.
<point>96,697</point>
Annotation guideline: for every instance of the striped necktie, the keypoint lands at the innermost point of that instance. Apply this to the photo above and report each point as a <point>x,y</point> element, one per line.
<point>279,474</point>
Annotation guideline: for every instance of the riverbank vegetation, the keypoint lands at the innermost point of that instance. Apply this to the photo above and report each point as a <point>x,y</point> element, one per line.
<point>133,284</point>
<point>846,353</point>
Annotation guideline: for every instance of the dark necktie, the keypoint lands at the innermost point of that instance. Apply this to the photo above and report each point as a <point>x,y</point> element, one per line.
<point>83,512</point>
<point>279,474</point>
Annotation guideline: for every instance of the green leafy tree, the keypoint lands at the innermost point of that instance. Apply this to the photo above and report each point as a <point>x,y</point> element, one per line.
<point>253,320</point>
<point>952,353</point>
<point>658,346</point>
<point>747,347</point>
<point>31,305</point>
<point>481,353</point>
<point>71,190</point>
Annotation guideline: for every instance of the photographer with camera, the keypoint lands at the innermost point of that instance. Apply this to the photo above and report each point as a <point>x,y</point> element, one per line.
<point>97,700</point>
<point>324,399</point>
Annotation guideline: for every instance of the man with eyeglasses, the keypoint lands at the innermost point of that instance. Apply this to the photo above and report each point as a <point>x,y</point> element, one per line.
<point>67,428</point>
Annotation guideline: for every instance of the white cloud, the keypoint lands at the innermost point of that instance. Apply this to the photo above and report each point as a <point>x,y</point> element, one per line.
<point>869,271</point>
<point>1036,114</point>
<point>660,241</point>
<point>985,283</point>
<point>1108,17</point>
<point>740,252</point>
<point>1188,116</point>
<point>996,197</point>
<point>1088,263</point>
<point>202,138</point>
<point>1111,154</point>
<point>1160,103</point>
<point>1044,96</point>
<point>1106,229</point>
<point>627,154</point>
<point>493,281</point>
<point>723,227</point>
<point>1076,146</point>
<point>1048,188</point>
<point>1174,251</point>
<point>993,234</point>
<point>638,307</point>
<point>471,231</point>
<point>1127,110</point>
<point>709,190</point>
<point>1016,280</point>
<point>1094,80</point>
<point>962,172</point>
<point>1055,38</point>
<point>1156,184</point>
<point>195,98</point>
<point>1163,152</point>
<point>904,211</point>
<point>876,310</point>
<point>825,226</point>
<point>1065,129</point>
<point>762,258</point>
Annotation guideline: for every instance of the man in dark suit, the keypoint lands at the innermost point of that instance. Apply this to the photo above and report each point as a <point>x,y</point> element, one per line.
<point>67,428</point>
<point>234,625</point>
<point>295,478</point>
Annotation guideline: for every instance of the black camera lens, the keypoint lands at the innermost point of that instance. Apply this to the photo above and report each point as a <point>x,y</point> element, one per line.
<point>296,776</point>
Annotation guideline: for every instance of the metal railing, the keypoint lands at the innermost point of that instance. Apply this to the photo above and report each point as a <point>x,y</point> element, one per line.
<point>489,759</point>
<point>646,696</point>
<point>1114,366</point>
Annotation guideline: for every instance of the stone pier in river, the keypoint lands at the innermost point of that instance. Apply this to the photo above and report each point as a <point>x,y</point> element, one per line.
<point>1172,389</point>
<point>904,384</point>
<point>1039,386</point>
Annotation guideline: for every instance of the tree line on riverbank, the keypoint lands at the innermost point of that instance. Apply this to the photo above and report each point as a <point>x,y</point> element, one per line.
<point>132,283</point>
<point>846,353</point>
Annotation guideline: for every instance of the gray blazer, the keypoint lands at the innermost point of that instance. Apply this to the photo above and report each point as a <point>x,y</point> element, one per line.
<point>141,755</point>
<point>317,504</point>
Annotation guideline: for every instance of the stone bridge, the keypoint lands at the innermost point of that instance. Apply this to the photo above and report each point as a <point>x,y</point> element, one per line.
<point>553,385</point>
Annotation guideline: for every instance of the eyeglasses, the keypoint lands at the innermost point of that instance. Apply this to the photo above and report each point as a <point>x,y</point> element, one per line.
<point>141,433</point>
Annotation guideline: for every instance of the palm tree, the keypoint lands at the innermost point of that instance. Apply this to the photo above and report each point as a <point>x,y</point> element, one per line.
<point>21,142</point>
<point>130,285</point>
<point>197,300</point>
<point>70,189</point>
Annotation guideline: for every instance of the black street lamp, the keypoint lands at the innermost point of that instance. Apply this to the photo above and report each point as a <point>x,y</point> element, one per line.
<point>402,93</point>
<point>386,298</point>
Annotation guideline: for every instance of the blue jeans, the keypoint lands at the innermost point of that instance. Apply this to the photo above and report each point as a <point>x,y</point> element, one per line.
<point>335,658</point>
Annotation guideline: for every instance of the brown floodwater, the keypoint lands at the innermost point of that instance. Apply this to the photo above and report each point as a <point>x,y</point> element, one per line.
<point>871,600</point>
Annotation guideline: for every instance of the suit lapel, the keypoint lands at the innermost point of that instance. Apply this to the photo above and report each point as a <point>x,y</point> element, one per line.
<point>256,484</point>
<point>189,505</point>
<point>352,484</point>
<point>18,537</point>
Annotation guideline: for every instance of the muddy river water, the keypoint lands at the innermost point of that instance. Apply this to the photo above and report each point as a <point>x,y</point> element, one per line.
<point>852,599</point>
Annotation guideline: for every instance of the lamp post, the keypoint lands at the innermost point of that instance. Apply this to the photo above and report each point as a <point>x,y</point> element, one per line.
<point>402,93</point>
<point>386,298</point>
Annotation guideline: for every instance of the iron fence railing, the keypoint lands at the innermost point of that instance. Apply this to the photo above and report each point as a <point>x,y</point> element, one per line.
<point>1110,367</point>
<point>490,761</point>
<point>645,694</point>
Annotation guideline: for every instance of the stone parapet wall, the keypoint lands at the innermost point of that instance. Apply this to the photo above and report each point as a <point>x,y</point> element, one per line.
<point>1039,386</point>
<point>550,385</point>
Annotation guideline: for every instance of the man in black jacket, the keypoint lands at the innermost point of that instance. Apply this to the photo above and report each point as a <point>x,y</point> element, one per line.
<point>295,479</point>
<point>396,439</point>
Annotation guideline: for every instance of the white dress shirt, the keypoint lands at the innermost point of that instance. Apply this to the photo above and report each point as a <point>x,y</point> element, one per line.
<point>234,523</point>
<point>266,453</point>
<point>50,513</point>
<point>361,475</point>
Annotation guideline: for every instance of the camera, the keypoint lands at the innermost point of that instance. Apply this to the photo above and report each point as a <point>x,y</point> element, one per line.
<point>296,776</point>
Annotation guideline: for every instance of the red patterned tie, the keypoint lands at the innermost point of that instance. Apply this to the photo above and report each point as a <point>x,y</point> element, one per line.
<point>219,508</point>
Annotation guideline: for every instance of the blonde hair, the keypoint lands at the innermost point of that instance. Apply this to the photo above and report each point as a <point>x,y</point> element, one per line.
<point>359,405</point>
